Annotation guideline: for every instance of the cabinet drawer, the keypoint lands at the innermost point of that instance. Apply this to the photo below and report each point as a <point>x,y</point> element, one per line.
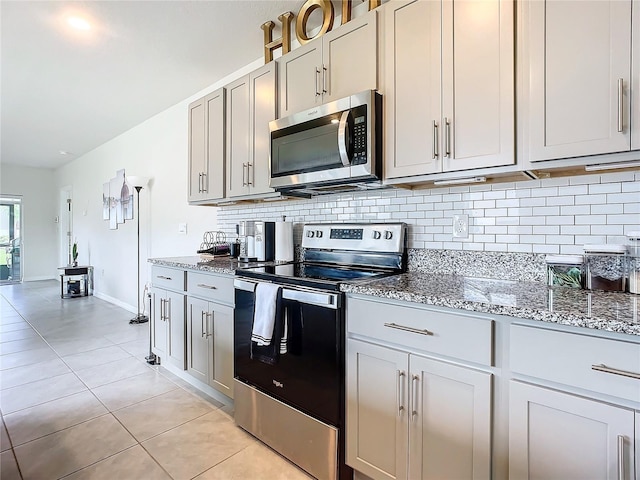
<point>569,358</point>
<point>459,336</point>
<point>218,288</point>
<point>169,278</point>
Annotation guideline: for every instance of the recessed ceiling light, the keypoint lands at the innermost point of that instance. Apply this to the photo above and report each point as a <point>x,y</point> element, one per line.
<point>62,152</point>
<point>78,23</point>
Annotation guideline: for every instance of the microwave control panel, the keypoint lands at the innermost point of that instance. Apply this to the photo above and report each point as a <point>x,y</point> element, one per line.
<point>359,135</point>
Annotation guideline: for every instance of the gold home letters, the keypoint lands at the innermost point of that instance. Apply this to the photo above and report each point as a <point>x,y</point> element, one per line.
<point>301,25</point>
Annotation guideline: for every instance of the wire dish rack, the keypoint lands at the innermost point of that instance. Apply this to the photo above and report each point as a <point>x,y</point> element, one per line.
<point>214,244</point>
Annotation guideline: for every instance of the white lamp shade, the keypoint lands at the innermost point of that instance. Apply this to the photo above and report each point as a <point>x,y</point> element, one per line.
<point>135,181</point>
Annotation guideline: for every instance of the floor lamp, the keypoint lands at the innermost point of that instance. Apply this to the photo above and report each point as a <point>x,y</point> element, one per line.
<point>138,183</point>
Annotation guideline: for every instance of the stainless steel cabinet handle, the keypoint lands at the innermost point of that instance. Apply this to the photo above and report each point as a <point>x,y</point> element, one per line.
<point>161,309</point>
<point>317,82</point>
<point>615,371</point>
<point>250,174</point>
<point>202,334</point>
<point>199,183</point>
<point>435,139</point>
<point>163,277</point>
<point>207,316</point>
<point>414,389</point>
<point>204,183</point>
<point>328,300</point>
<point>400,382</point>
<point>620,457</point>
<point>324,79</point>
<point>168,309</point>
<point>447,137</point>
<point>408,329</point>
<point>245,167</point>
<point>210,287</point>
<point>620,104</point>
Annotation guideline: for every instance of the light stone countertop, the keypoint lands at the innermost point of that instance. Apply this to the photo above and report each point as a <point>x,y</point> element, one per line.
<point>609,311</point>
<point>224,265</point>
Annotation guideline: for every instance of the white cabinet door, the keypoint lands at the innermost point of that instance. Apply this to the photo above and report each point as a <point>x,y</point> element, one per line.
<point>450,421</point>
<point>197,149</point>
<point>158,324</point>
<point>214,175</point>
<point>300,78</point>
<point>197,341</point>
<point>377,410</point>
<point>558,435</point>
<point>579,52</point>
<point>478,117</point>
<point>238,144</point>
<point>412,88</point>
<point>221,341</point>
<point>350,58</point>
<point>635,78</point>
<point>176,327</point>
<point>263,110</point>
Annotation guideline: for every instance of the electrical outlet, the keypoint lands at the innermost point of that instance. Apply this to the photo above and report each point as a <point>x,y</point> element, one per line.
<point>182,228</point>
<point>461,226</point>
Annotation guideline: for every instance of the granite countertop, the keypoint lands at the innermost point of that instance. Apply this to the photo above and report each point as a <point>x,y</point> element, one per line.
<point>610,311</point>
<point>226,265</point>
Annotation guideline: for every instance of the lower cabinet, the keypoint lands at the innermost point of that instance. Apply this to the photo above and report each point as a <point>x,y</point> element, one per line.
<point>414,417</point>
<point>559,435</point>
<point>210,343</point>
<point>168,326</point>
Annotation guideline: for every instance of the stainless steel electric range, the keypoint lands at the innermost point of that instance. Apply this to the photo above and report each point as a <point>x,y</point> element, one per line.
<point>290,393</point>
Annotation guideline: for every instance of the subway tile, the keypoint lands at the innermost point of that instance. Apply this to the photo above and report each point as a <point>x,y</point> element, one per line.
<point>415,215</point>
<point>591,199</point>
<point>632,208</point>
<point>460,189</point>
<point>518,229</point>
<point>496,212</point>
<point>435,245</point>
<point>434,214</point>
<point>484,238</point>
<point>416,199</point>
<point>532,239</point>
<point>475,213</point>
<point>507,238</point>
<point>533,202</point>
<point>472,196</point>
<point>622,219</point>
<point>442,237</point>
<point>575,229</point>
<point>567,200</point>
<point>520,248</point>
<point>399,201</point>
<point>615,177</point>
<point>473,246</point>
<point>508,221</point>
<point>503,186</point>
<point>573,190</point>
<point>424,221</point>
<point>575,210</point>
<point>547,211</point>
<point>629,197</point>
<point>613,208</point>
<point>495,247</point>
<point>494,195</point>
<point>446,221</point>
<point>591,219</point>
<point>484,204</point>
<point>476,229</point>
<point>509,202</point>
<point>432,198</point>
<point>520,212</point>
<point>584,179</point>
<point>443,206</point>
<point>605,188</point>
<point>616,240</point>
<point>571,249</point>
<point>452,197</point>
<point>479,188</point>
<point>434,230</point>
<point>555,182</point>
<point>452,245</point>
<point>484,220</point>
<point>559,239</point>
<point>549,249</point>
<point>496,229</point>
<point>462,205</point>
<point>631,186</point>
<point>590,239</point>
<point>526,193</point>
<point>544,192</point>
<point>534,220</point>
<point>408,208</point>
<point>528,184</point>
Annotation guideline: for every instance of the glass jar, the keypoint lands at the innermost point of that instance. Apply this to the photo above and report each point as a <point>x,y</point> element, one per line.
<point>565,270</point>
<point>633,262</point>
<point>605,267</point>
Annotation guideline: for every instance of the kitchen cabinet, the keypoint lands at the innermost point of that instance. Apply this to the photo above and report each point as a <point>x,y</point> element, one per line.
<point>635,79</point>
<point>210,330</point>
<point>576,69</point>
<point>342,62</point>
<point>448,85</point>
<point>411,414</point>
<point>558,435</point>
<point>168,315</point>
<point>207,148</point>
<point>251,105</point>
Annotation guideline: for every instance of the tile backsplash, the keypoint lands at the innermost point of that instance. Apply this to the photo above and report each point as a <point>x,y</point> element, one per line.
<point>554,215</point>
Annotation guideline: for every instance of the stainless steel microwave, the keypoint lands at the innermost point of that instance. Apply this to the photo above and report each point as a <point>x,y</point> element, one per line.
<point>332,146</point>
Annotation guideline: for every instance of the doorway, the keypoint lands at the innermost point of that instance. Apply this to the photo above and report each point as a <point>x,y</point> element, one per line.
<point>10,239</point>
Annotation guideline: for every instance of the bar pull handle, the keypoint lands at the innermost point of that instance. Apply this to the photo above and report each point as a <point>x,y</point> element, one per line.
<point>447,137</point>
<point>620,457</point>
<point>162,277</point>
<point>245,167</point>
<point>414,389</point>
<point>317,82</point>
<point>250,171</point>
<point>435,139</point>
<point>615,371</point>
<point>620,105</point>
<point>408,329</point>
<point>210,287</point>
<point>168,309</point>
<point>161,309</point>
<point>200,183</point>
<point>207,315</point>
<point>400,382</point>
<point>202,334</point>
<point>204,183</point>
<point>324,79</point>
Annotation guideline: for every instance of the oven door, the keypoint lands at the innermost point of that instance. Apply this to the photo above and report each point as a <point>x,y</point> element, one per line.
<point>310,375</point>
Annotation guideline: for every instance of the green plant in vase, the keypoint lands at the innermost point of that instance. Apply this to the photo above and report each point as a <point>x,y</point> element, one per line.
<point>74,254</point>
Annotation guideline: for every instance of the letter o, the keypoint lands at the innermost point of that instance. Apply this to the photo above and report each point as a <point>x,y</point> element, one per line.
<point>303,16</point>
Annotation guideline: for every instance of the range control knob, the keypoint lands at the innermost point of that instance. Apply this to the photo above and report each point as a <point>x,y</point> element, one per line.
<point>311,233</point>
<point>376,235</point>
<point>388,235</point>
<point>319,233</point>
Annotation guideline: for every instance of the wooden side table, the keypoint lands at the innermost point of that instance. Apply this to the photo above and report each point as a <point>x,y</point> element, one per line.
<point>76,281</point>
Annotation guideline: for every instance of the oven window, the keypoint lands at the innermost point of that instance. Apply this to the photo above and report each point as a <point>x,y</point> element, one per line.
<point>307,147</point>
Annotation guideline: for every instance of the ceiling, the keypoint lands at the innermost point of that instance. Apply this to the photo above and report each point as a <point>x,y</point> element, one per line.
<point>73,90</point>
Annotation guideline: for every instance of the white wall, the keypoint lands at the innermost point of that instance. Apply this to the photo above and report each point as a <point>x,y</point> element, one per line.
<point>39,203</point>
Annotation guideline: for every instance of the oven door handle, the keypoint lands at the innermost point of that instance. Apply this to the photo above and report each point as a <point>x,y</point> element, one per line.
<point>327,300</point>
<point>244,285</point>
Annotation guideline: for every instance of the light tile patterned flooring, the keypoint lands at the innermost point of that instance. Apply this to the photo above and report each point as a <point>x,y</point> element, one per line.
<point>78,401</point>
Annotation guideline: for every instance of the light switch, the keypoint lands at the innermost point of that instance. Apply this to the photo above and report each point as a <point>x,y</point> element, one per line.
<point>182,228</point>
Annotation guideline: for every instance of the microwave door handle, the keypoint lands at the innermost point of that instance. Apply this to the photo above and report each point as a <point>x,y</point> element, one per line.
<point>342,138</point>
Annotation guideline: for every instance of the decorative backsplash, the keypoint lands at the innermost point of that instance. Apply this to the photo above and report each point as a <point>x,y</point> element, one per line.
<point>555,215</point>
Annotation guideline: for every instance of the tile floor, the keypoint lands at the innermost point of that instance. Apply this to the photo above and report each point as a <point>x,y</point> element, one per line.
<point>78,401</point>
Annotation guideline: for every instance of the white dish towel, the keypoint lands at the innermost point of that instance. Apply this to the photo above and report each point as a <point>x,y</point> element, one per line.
<point>264,315</point>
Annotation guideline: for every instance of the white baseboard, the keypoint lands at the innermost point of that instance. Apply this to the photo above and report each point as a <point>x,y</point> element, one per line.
<point>115,301</point>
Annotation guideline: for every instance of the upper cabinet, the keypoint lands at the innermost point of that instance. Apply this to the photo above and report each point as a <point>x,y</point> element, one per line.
<point>577,83</point>
<point>340,63</point>
<point>448,85</point>
<point>206,148</point>
<point>635,78</point>
<point>251,105</point>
